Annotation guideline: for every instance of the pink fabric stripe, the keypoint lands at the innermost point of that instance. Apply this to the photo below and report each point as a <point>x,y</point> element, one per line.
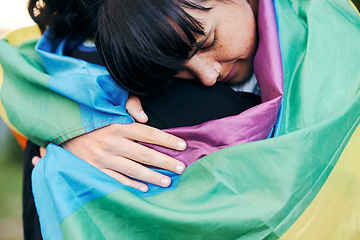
<point>267,62</point>
<point>253,124</point>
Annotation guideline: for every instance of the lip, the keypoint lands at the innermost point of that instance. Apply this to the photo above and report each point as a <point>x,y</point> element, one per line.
<point>230,74</point>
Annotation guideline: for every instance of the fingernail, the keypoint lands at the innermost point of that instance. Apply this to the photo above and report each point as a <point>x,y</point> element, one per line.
<point>181,145</point>
<point>165,182</point>
<point>180,169</point>
<point>143,115</point>
<point>143,189</point>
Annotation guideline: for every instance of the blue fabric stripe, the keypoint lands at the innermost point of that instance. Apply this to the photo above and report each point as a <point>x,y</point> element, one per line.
<point>277,127</point>
<point>46,208</point>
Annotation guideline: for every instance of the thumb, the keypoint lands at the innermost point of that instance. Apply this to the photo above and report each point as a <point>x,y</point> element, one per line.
<point>134,108</point>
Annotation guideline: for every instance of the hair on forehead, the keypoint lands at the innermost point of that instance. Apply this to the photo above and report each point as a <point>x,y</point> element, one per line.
<point>144,43</point>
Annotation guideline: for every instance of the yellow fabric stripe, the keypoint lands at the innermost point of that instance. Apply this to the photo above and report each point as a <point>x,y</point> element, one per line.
<point>20,35</point>
<point>334,213</point>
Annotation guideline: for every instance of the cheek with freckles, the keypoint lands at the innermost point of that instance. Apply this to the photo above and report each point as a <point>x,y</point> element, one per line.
<point>236,33</point>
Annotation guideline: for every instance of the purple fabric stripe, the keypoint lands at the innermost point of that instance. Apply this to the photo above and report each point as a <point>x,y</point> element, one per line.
<point>253,124</point>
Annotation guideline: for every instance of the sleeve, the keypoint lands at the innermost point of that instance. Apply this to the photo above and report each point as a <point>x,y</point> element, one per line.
<point>46,106</point>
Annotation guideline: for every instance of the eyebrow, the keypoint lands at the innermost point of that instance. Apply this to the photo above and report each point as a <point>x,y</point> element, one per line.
<point>201,43</point>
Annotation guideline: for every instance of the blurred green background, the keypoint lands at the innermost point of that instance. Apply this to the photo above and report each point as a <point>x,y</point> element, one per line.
<point>11,156</point>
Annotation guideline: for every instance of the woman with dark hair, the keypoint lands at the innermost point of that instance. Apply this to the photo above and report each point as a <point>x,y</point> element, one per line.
<point>152,49</point>
<point>197,40</point>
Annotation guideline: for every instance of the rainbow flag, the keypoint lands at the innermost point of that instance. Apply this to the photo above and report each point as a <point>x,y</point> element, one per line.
<point>286,169</point>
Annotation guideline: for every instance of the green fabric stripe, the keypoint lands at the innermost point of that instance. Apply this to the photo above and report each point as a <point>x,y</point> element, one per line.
<point>320,49</point>
<point>26,79</point>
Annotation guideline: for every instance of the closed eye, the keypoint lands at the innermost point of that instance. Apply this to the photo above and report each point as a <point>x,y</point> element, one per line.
<point>208,41</point>
<point>210,44</point>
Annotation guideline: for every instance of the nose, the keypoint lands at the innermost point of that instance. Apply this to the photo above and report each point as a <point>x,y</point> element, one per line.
<point>206,69</point>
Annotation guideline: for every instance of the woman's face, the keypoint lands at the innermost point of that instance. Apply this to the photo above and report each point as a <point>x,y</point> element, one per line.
<point>229,45</point>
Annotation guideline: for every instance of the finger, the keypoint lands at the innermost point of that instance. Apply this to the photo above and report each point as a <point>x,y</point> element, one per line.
<point>35,160</point>
<point>134,108</point>
<point>42,151</point>
<point>137,171</point>
<point>148,156</point>
<point>143,133</point>
<point>126,181</point>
